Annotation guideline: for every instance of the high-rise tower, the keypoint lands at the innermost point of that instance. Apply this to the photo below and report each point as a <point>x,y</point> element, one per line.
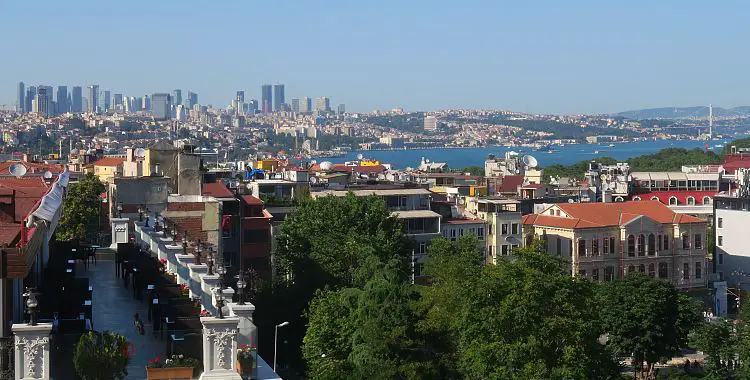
<point>62,99</point>
<point>21,107</point>
<point>93,98</point>
<point>278,97</point>
<point>77,99</point>
<point>266,98</point>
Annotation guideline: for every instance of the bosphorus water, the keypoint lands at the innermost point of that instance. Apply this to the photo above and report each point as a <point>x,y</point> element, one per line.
<point>565,155</point>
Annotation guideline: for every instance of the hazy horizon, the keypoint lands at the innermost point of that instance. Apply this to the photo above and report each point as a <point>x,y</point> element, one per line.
<point>545,57</point>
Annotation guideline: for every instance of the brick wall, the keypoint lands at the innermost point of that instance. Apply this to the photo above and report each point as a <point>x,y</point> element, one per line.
<point>193,225</point>
<point>186,206</point>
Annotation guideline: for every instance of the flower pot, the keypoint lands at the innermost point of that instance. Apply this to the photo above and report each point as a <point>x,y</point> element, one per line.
<point>174,373</point>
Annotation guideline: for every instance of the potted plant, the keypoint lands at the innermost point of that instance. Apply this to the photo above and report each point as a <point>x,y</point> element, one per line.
<point>245,359</point>
<point>162,265</point>
<point>102,356</point>
<point>176,367</point>
<point>184,290</point>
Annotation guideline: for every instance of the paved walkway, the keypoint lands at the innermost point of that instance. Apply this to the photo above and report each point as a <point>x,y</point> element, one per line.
<point>113,309</point>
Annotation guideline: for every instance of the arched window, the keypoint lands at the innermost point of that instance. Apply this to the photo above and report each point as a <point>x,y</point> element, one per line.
<point>706,200</point>
<point>691,201</point>
<point>672,200</point>
<point>651,270</point>
<point>636,198</point>
<point>641,245</point>
<point>641,268</point>
<point>655,198</point>
<point>651,244</point>
<point>619,199</point>
<point>631,246</point>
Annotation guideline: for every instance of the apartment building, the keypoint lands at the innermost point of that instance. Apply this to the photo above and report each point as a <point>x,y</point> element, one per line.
<point>602,241</point>
<point>504,227</point>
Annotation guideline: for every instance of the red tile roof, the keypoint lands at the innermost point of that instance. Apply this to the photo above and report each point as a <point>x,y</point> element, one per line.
<point>251,200</point>
<point>595,215</point>
<point>109,161</point>
<point>9,233</point>
<point>31,167</point>
<point>217,189</point>
<point>28,191</point>
<point>510,184</point>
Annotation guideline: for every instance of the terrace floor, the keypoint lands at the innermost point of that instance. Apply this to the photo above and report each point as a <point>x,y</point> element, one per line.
<point>113,310</point>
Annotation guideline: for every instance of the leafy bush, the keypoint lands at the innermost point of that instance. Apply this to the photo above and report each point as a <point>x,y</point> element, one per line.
<point>102,356</point>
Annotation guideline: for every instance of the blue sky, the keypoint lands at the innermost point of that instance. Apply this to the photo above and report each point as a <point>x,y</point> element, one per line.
<point>533,56</point>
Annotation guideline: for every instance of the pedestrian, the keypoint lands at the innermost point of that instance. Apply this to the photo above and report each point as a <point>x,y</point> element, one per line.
<point>138,324</point>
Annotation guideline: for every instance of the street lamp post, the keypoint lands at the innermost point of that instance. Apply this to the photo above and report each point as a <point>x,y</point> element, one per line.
<point>31,304</point>
<point>140,213</point>
<point>241,284</point>
<point>210,261</point>
<point>275,345</point>
<point>198,252</point>
<point>219,301</point>
<point>119,209</point>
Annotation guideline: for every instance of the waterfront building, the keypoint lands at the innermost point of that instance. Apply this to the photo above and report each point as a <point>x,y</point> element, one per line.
<point>430,123</point>
<point>266,98</point>
<point>278,97</point>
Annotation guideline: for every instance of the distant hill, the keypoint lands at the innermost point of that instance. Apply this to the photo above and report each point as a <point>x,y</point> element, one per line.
<point>683,112</point>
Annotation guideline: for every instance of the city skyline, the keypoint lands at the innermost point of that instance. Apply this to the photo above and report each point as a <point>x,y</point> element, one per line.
<point>541,58</point>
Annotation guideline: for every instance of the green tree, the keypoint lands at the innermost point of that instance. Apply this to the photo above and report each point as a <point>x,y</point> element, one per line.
<point>646,318</point>
<point>323,245</point>
<point>81,210</point>
<point>101,356</point>
<point>717,341</point>
<point>743,340</point>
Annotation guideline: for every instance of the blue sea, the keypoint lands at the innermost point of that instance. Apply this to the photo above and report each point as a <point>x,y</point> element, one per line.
<point>565,155</point>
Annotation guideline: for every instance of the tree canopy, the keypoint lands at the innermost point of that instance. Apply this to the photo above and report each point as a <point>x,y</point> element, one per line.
<point>81,210</point>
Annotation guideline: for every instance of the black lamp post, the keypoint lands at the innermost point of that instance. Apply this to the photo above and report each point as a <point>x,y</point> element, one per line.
<point>210,261</point>
<point>140,213</point>
<point>219,302</point>
<point>174,233</point>
<point>156,222</point>
<point>241,284</point>
<point>119,209</point>
<point>31,304</point>
<point>198,251</point>
<point>184,243</point>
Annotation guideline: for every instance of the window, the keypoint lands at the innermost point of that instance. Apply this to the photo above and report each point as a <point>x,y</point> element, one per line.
<point>453,235</point>
<point>504,229</point>
<point>641,245</point>
<point>581,247</point>
<point>685,241</point>
<point>595,247</point>
<point>480,233</point>
<point>721,258</point>
<point>698,269</point>
<point>651,270</point>
<point>504,250</point>
<point>582,272</point>
<point>720,223</point>
<point>673,200</point>
<point>651,244</point>
<point>559,246</point>
<point>666,242</point>
<point>663,270</point>
<point>605,249</point>
<point>612,245</point>
<point>609,273</point>
<point>686,271</point>
<point>422,248</point>
<point>256,236</point>
<point>514,229</point>
<point>489,252</point>
<point>619,199</point>
<point>636,198</point>
<point>706,200</point>
<point>461,232</point>
<point>557,212</point>
<point>489,229</point>
<point>631,269</point>
<point>641,268</point>
<point>721,241</point>
<point>595,274</point>
<point>691,201</point>
<point>655,198</point>
<point>698,241</point>
<point>658,238</point>
<point>631,246</point>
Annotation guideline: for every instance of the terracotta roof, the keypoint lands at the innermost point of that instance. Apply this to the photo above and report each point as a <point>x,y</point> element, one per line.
<point>251,200</point>
<point>217,189</point>
<point>9,233</point>
<point>109,161</point>
<point>31,167</point>
<point>510,184</point>
<point>463,221</point>
<point>595,215</point>
<point>28,191</point>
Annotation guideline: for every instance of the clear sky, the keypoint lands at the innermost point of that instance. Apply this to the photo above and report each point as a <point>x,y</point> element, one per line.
<point>532,56</point>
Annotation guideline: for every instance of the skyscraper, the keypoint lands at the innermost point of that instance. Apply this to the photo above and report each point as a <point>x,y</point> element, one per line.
<point>30,95</point>
<point>323,104</point>
<point>278,97</point>
<point>342,109</point>
<point>77,99</point>
<point>145,103</point>
<point>161,105</point>
<point>240,96</point>
<point>192,99</point>
<point>93,98</point>
<point>295,105</point>
<point>117,100</point>
<point>42,101</point>
<point>21,101</point>
<point>176,97</point>
<point>107,100</point>
<point>62,99</point>
<point>252,107</point>
<point>306,106</point>
<point>266,98</point>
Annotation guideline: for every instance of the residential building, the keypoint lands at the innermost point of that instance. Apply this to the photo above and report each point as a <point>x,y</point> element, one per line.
<point>430,123</point>
<point>161,106</point>
<point>266,98</point>
<point>504,227</point>
<point>278,97</point>
<point>93,98</point>
<point>690,193</point>
<point>603,241</point>
<point>107,168</point>
<point>77,100</point>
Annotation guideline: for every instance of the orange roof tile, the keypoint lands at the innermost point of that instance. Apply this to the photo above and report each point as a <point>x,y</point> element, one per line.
<point>217,189</point>
<point>109,161</point>
<point>596,215</point>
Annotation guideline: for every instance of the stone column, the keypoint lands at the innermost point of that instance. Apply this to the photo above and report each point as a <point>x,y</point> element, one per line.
<point>155,238</point>
<point>183,274</point>
<point>220,348</point>
<point>208,283</point>
<point>32,351</point>
<point>169,254</point>
<point>248,333</point>
<point>162,244</point>
<point>119,231</point>
<point>137,231</point>
<point>196,270</point>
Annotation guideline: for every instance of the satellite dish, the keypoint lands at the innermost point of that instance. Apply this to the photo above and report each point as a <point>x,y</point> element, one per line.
<point>314,180</point>
<point>48,175</point>
<point>381,177</point>
<point>360,156</point>
<point>140,153</point>
<point>390,177</point>
<point>17,170</point>
<point>571,201</point>
<point>529,161</point>
<point>326,166</point>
